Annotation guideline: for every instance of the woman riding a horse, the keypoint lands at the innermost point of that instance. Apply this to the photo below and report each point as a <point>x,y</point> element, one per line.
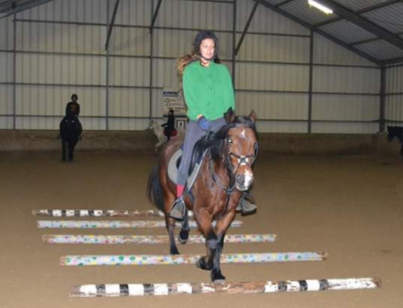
<point>226,148</point>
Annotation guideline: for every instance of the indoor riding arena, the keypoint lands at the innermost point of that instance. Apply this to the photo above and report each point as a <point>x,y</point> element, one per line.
<point>91,102</point>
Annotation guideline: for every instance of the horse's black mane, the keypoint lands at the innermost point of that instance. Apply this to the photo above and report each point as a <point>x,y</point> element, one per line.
<point>215,141</point>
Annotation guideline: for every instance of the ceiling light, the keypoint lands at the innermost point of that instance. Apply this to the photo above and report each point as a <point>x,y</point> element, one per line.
<point>320,7</point>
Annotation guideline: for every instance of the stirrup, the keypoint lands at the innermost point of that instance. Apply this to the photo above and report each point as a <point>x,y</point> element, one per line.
<point>178,209</point>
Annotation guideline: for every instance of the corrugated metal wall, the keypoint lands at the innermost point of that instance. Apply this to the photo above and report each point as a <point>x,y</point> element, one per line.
<point>60,51</point>
<point>394,96</point>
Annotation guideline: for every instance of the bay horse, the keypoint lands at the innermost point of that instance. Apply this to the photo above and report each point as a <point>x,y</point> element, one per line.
<point>225,172</point>
<point>70,130</point>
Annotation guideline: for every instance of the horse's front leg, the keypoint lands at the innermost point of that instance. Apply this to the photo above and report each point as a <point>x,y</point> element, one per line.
<point>204,220</point>
<point>221,229</point>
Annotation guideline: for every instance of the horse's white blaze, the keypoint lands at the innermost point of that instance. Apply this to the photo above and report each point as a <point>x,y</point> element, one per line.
<point>243,133</point>
<point>248,178</point>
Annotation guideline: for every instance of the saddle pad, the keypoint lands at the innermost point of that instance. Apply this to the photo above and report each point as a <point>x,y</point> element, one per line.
<point>173,168</point>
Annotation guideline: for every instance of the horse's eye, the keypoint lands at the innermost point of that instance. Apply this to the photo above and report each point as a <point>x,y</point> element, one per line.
<point>229,140</point>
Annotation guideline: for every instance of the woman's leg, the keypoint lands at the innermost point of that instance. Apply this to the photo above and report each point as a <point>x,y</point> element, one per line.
<point>193,134</point>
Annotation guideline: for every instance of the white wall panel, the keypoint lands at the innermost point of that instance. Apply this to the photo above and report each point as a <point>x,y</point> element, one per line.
<point>128,124</point>
<point>265,20</point>
<point>394,79</point>
<point>279,106</point>
<point>346,79</point>
<point>345,107</point>
<point>345,128</point>
<point>131,12</point>
<point>272,77</point>
<point>79,70</point>
<point>281,127</point>
<point>157,110</point>
<point>274,48</point>
<point>327,52</point>
<point>394,108</point>
<point>90,11</point>
<point>195,14</point>
<point>6,99</point>
<point>53,123</point>
<point>48,37</point>
<point>165,74</point>
<point>6,122</point>
<point>125,71</point>
<point>34,100</point>
<point>6,67</point>
<point>6,33</point>
<point>129,102</point>
<point>172,43</point>
<point>129,41</point>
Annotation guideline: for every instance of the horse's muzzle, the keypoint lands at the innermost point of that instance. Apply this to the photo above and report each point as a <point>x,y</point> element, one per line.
<point>243,181</point>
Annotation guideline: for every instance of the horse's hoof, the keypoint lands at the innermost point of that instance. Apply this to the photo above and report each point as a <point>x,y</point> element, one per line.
<point>174,251</point>
<point>183,237</point>
<point>217,277</point>
<point>201,263</point>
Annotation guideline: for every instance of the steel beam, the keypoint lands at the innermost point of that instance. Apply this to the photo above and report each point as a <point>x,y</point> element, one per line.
<point>283,3</point>
<point>154,17</point>
<point>110,26</point>
<point>252,13</point>
<point>364,23</point>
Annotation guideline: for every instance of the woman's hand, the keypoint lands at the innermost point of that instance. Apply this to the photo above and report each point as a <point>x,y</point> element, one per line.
<point>203,123</point>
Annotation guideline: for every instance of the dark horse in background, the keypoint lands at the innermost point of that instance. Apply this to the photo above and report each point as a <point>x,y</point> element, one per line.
<point>225,172</point>
<point>70,132</point>
<point>396,132</point>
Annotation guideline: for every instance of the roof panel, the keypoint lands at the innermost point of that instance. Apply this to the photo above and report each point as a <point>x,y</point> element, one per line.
<point>347,31</point>
<point>381,49</point>
<point>358,4</point>
<point>303,11</point>
<point>389,17</point>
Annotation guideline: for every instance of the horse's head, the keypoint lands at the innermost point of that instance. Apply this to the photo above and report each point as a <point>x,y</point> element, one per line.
<point>241,150</point>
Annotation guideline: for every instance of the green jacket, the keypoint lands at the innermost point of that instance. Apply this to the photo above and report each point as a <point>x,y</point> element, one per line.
<point>207,90</point>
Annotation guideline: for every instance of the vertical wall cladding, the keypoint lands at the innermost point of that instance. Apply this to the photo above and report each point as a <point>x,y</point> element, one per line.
<point>59,52</point>
<point>6,33</point>
<point>6,73</point>
<point>345,91</point>
<point>394,96</point>
<point>272,72</point>
<point>76,11</point>
<point>129,66</point>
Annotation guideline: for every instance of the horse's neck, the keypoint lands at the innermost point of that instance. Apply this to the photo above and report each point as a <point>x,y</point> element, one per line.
<point>218,169</point>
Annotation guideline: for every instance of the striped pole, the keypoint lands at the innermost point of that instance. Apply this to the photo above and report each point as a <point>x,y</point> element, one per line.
<point>158,289</point>
<point>114,224</point>
<point>91,260</point>
<point>148,239</point>
<point>98,213</point>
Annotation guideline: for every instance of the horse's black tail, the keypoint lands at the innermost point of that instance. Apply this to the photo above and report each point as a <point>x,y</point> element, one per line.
<point>154,189</point>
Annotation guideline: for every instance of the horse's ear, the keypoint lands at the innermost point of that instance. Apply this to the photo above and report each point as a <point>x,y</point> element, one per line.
<point>229,116</point>
<point>252,116</point>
